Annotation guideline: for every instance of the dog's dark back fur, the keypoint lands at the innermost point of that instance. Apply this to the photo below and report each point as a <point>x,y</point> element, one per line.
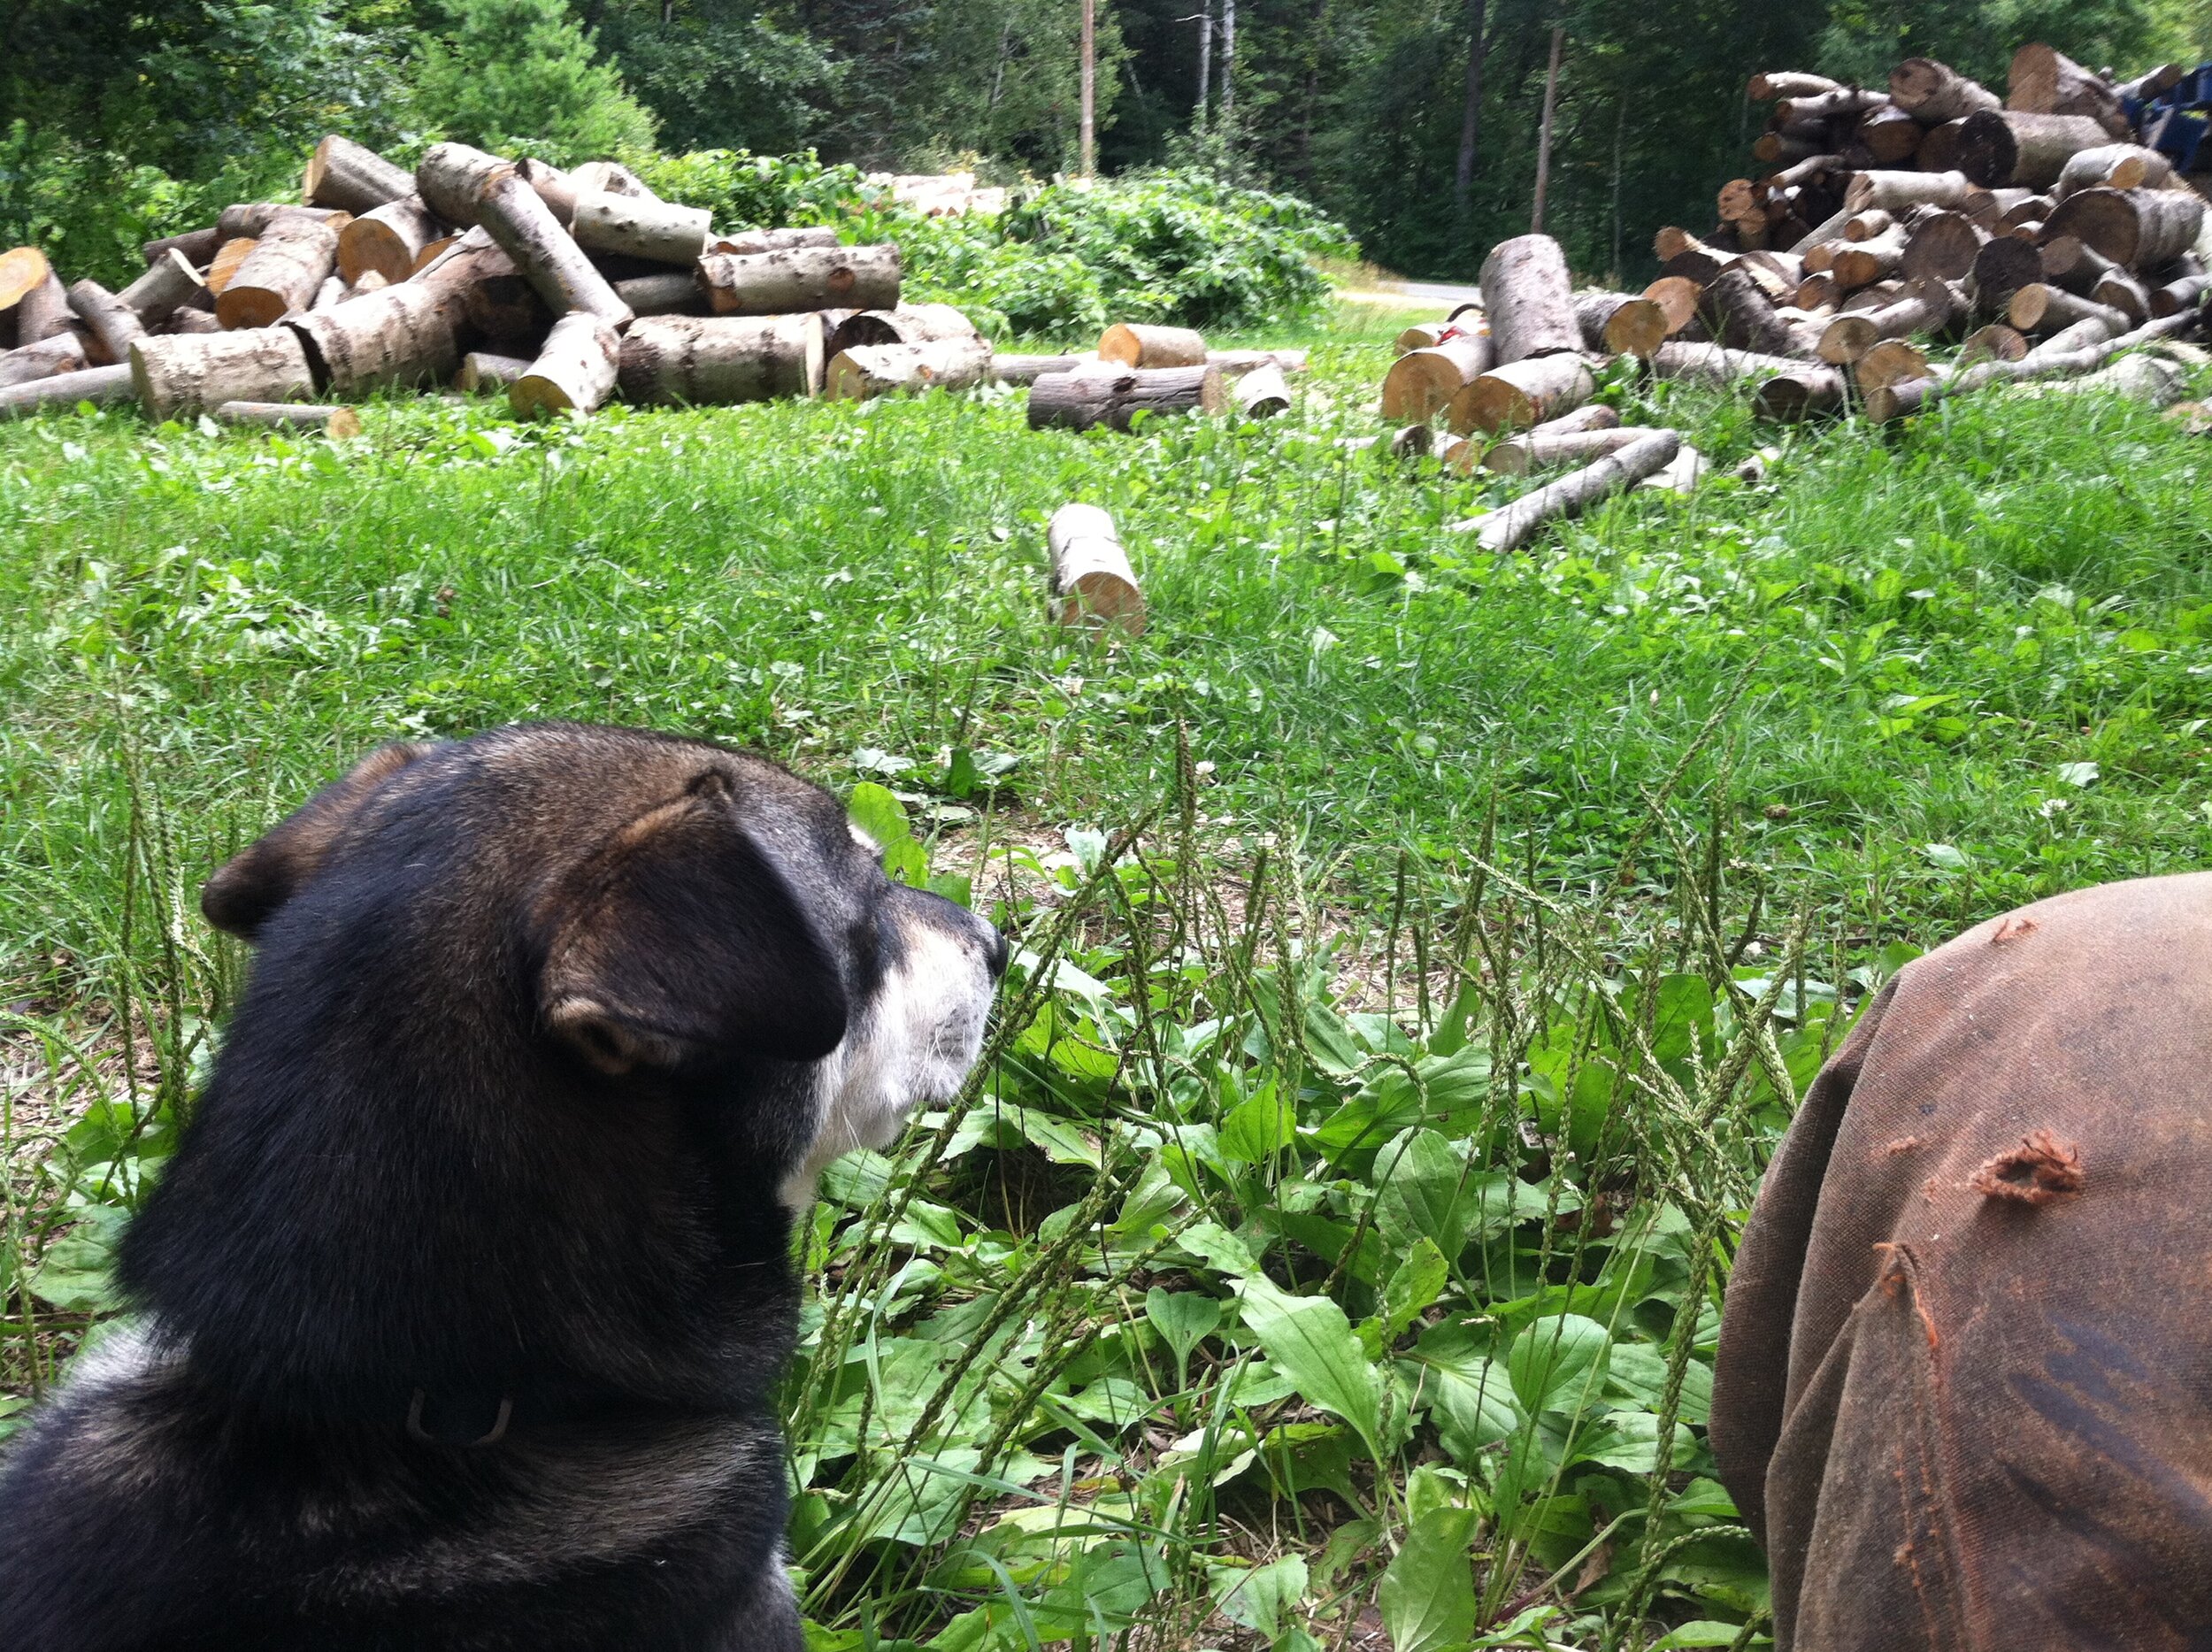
<point>527,1057</point>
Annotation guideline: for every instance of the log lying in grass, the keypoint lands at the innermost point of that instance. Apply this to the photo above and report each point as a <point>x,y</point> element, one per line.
<point>703,361</point>
<point>393,240</point>
<point>400,335</point>
<point>1529,299</point>
<point>2057,358</point>
<point>343,173</point>
<point>1512,527</point>
<point>1029,369</point>
<point>909,324</point>
<point>572,373</point>
<point>192,373</point>
<point>1545,450</point>
<point>1994,343</point>
<point>480,370</point>
<point>800,278</point>
<point>2139,229</point>
<point>100,386</point>
<point>1262,393</point>
<point>1080,400</point>
<point>338,423</point>
<point>867,371</point>
<point>1711,364</point>
<point>1892,361</point>
<point>641,227</point>
<point>62,353</point>
<point>1521,393</point>
<point>1138,346</point>
<point>281,276</point>
<point>113,324</point>
<point>1421,382</point>
<point>1620,324</point>
<point>1093,583</point>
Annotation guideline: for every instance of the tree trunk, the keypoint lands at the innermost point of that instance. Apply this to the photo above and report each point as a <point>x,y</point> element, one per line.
<point>2026,151</point>
<point>1422,381</point>
<point>2046,82</point>
<point>774,240</point>
<point>194,373</point>
<point>1529,297</point>
<point>1514,526</point>
<point>674,294</point>
<point>866,371</point>
<point>1262,393</point>
<point>1087,119</point>
<point>337,423</point>
<point>393,240</point>
<point>1894,191</point>
<point>343,174</point>
<point>800,278</point>
<point>1617,324</point>
<point>481,370</point>
<point>1029,369</point>
<point>281,276</point>
<point>2139,229</point>
<point>1229,70</point>
<point>62,353</point>
<point>102,387</point>
<point>909,324</point>
<point>1934,92</point>
<point>1469,117</point>
<point>1093,583</point>
<point>1543,131</point>
<point>2040,308</point>
<point>1710,363</point>
<point>1522,393</point>
<point>2114,167</point>
<point>573,373</point>
<point>705,361</point>
<point>1545,449</point>
<point>1203,107</point>
<point>1805,392</point>
<point>114,323</point>
<point>1080,400</point>
<point>655,230</point>
<point>400,335</point>
<point>1139,346</point>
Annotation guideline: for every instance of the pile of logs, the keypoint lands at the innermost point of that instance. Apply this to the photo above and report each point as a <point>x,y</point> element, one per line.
<point>561,288</point>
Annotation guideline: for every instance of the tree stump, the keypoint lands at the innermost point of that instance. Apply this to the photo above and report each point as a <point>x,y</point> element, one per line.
<point>1138,346</point>
<point>344,175</point>
<point>1522,393</point>
<point>707,361</point>
<point>1114,396</point>
<point>338,423</point>
<point>193,372</point>
<point>1093,583</point>
<point>400,335</point>
<point>280,274</point>
<point>800,278</point>
<point>1529,298</point>
<point>867,371</point>
<point>641,227</point>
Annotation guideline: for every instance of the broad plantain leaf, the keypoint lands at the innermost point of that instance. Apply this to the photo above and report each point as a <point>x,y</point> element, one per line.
<point>1310,1342</point>
<point>1428,1593</point>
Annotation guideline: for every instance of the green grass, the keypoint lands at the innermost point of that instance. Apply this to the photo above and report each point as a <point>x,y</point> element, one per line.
<point>1562,863</point>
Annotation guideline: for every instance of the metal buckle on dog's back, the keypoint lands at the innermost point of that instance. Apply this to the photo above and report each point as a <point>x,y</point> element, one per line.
<point>498,1432</point>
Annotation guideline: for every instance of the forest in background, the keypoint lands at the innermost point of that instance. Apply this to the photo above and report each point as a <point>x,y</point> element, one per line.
<point>1412,121</point>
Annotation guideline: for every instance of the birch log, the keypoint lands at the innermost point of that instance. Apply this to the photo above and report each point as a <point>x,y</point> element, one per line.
<point>400,335</point>
<point>343,173</point>
<point>1542,450</point>
<point>62,353</point>
<point>192,373</point>
<point>774,240</point>
<point>1093,583</point>
<point>909,324</point>
<point>573,373</point>
<point>1421,382</point>
<point>867,371</point>
<point>480,370</point>
<point>800,278</point>
<point>641,227</point>
<point>114,325</point>
<point>1529,298</point>
<point>1262,393</point>
<point>705,361</point>
<point>1510,528</point>
<point>168,282</point>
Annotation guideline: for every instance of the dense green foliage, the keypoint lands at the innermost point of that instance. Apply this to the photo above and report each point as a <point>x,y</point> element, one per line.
<point>518,76</point>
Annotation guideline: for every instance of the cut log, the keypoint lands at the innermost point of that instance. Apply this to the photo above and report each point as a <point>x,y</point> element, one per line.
<point>1415,441</point>
<point>1511,527</point>
<point>480,370</point>
<point>112,322</point>
<point>916,324</point>
<point>610,178</point>
<point>800,278</point>
<point>23,271</point>
<point>494,306</point>
<point>451,180</point>
<point>1940,247</point>
<point>1548,449</point>
<point>555,188</point>
<point>867,371</point>
<point>1816,294</point>
<point>1789,83</point>
<point>2184,292</point>
<point>2142,378</point>
<point>1235,363</point>
<point>1891,135</point>
<point>1873,297</point>
<point>62,353</point>
<point>102,387</point>
<point>1619,324</point>
<point>337,423</point>
<point>42,312</point>
<point>400,335</point>
<point>2153,82</point>
<point>2113,165</point>
<point>704,361</point>
<point>466,186</point>
<point>1895,191</point>
<point>330,292</point>
<point>2139,229</point>
<point>226,262</point>
<point>641,227</point>
<point>1895,401</point>
<point>291,261</point>
<point>748,240</point>
<point>1927,308</point>
<point>186,320</point>
<point>199,246</point>
<point>1805,392</point>
<point>2086,334</point>
<point>1263,393</point>
<point>1845,103</point>
<point>1867,225</point>
<point>1093,583</point>
<point>1892,361</point>
<point>1529,298</point>
<point>1424,336</point>
<point>2123,292</point>
<point>1080,400</point>
<point>1136,346</point>
<point>342,173</point>
<point>2002,268</point>
<point>1863,263</point>
<point>391,240</point>
<point>2023,206</point>
<point>2061,357</point>
<point>1711,364</point>
<point>248,220</point>
<point>2046,82</point>
<point>1518,393</point>
<point>2025,151</point>
<point>1935,92</point>
<point>168,281</point>
<point>575,370</point>
<point>1676,297</point>
<point>1994,342</point>
<point>1421,383</point>
<point>1739,314</point>
<point>1029,369</point>
<point>194,373</point>
<point>2070,264</point>
<point>674,294</point>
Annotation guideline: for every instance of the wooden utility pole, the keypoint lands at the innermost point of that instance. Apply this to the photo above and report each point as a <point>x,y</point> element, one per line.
<point>1543,136</point>
<point>1090,157</point>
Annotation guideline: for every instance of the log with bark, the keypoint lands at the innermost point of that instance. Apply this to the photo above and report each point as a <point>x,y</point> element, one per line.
<point>866,371</point>
<point>101,387</point>
<point>1093,582</point>
<point>338,423</point>
<point>1235,363</point>
<point>1529,299</point>
<point>641,227</point>
<point>1895,192</point>
<point>1806,391</point>
<point>1866,262</point>
<point>395,336</point>
<point>1421,383</point>
<point>62,353</point>
<point>1112,395</point>
<point>1927,308</point>
<point>800,278</point>
<point>192,373</point>
<point>1262,393</point>
<point>573,373</point>
<point>674,294</point>
<point>225,263</point>
<point>466,186</point>
<point>1676,297</point>
<point>2002,268</point>
<point>1028,369</point>
<point>189,320</point>
<point>2045,81</point>
<point>1519,394</point>
<point>774,240</point>
<point>43,312</point>
<point>393,240</point>
<point>1619,324</point>
<point>2185,292</point>
<point>2025,151</point>
<point>1516,524</point>
<point>1740,316</point>
<point>2119,290</point>
<point>114,323</point>
<point>199,246</point>
<point>1994,343</point>
<point>168,282</point>
<point>1892,361</point>
<point>2115,166</point>
<point>1934,92</point>
<point>2139,229</point>
<point>1139,346</point>
<point>1940,246</point>
<point>23,271</point>
<point>2058,358</point>
<point>480,370</point>
<point>1545,449</point>
<point>344,175</point>
<point>1711,364</point>
<point>610,178</point>
<point>918,324</point>
<point>281,276</point>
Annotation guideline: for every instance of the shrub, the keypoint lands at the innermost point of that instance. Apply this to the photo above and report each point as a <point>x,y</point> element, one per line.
<point>517,77</point>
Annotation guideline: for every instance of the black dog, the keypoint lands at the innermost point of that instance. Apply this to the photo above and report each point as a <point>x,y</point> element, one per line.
<point>462,1300</point>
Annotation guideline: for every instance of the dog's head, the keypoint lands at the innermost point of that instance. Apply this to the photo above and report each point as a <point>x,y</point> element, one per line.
<point>639,908</point>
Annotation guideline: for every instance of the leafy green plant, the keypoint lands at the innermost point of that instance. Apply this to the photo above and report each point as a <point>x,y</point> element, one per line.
<point>518,76</point>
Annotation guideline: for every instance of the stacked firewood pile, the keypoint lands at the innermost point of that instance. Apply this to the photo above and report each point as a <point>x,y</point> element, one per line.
<point>2034,234</point>
<point>566,288</point>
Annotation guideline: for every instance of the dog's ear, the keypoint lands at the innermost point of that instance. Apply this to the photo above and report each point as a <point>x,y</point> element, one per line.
<point>249,887</point>
<point>681,940</point>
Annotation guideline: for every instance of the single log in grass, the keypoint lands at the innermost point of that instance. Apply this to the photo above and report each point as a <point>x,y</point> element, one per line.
<point>338,423</point>
<point>192,373</point>
<point>101,387</point>
<point>1093,582</point>
<point>1510,528</point>
<point>1114,396</point>
<point>704,361</point>
<point>1542,449</point>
